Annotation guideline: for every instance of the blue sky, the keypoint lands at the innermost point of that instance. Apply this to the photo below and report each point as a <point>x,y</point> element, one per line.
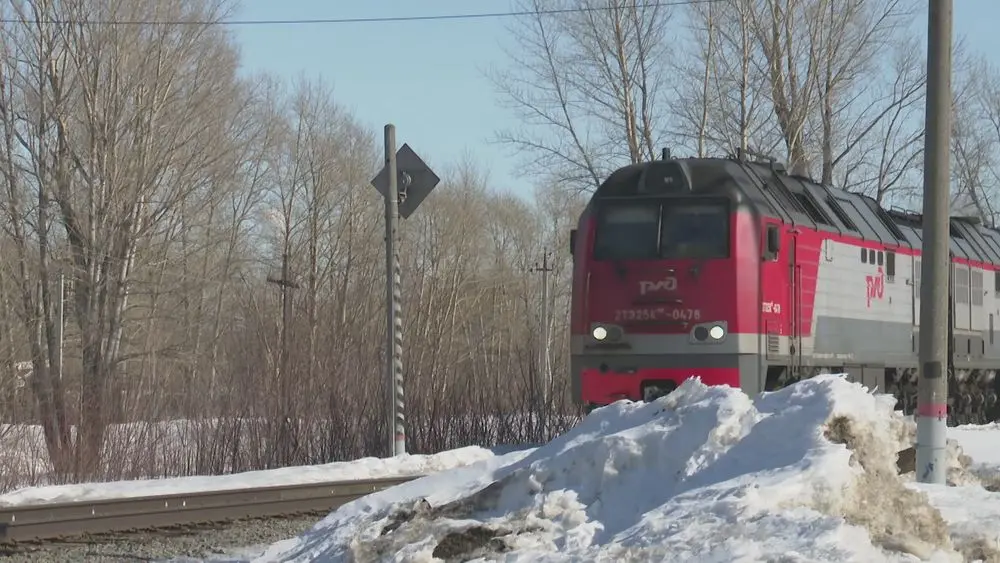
<point>427,77</point>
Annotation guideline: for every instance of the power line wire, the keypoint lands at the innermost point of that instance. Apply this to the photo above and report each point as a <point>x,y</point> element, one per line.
<point>382,19</point>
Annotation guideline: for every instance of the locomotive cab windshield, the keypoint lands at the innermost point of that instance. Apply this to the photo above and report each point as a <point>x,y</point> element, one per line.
<point>654,213</point>
<point>668,228</point>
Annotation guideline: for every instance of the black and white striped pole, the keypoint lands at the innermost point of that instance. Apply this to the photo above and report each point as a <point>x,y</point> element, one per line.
<point>404,182</point>
<point>394,301</point>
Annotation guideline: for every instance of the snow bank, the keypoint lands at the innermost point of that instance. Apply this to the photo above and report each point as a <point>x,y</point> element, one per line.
<point>960,465</point>
<point>973,517</point>
<point>981,443</point>
<point>366,468</point>
<point>706,474</point>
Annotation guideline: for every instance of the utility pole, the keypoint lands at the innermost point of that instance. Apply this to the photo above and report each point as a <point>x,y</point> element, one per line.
<point>404,182</point>
<point>544,367</point>
<point>286,284</point>
<point>932,391</point>
<point>62,324</point>
<point>284,380</point>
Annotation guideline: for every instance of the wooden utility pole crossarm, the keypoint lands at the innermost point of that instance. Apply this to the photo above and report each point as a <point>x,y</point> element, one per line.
<point>286,284</point>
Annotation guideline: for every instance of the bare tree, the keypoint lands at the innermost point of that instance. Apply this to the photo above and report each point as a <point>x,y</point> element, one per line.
<point>820,57</point>
<point>116,126</point>
<point>28,224</point>
<point>885,156</point>
<point>725,104</point>
<point>975,140</point>
<point>587,87</point>
<point>166,189</point>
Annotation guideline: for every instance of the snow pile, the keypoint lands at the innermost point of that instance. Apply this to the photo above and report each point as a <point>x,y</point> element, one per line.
<point>706,474</point>
<point>960,465</point>
<point>973,517</point>
<point>981,443</point>
<point>366,468</point>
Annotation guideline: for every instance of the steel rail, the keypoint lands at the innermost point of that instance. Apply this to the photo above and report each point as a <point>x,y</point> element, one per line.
<point>49,521</point>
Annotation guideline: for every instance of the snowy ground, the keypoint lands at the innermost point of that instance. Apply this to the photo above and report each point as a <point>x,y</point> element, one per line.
<point>707,474</point>
<point>367,468</point>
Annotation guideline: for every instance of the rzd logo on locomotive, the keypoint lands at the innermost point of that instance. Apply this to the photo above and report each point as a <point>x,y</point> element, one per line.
<point>666,284</point>
<point>876,286</point>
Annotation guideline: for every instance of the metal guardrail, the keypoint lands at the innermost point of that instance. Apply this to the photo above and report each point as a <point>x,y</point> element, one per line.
<point>49,521</point>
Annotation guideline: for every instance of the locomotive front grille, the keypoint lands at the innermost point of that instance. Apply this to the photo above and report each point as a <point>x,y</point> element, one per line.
<point>773,346</point>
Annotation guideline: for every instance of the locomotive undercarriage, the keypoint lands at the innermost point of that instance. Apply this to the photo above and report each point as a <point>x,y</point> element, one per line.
<point>973,395</point>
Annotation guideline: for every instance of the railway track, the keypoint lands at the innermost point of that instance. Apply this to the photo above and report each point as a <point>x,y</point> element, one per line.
<point>52,521</point>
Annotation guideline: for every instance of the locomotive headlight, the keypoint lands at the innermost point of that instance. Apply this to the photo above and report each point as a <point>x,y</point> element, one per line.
<point>709,333</point>
<point>606,333</point>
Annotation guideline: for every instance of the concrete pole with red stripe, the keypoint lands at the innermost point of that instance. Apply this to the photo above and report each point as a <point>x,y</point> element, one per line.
<point>932,394</point>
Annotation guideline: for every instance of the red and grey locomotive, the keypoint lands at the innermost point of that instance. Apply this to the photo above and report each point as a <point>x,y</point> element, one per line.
<point>734,270</point>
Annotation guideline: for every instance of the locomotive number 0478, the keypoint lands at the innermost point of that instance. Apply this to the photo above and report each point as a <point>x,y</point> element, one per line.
<point>657,314</point>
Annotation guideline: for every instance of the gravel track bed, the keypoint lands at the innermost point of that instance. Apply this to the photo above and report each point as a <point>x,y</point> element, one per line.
<point>180,544</point>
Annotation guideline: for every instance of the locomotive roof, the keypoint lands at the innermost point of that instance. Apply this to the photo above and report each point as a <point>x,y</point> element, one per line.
<point>800,200</point>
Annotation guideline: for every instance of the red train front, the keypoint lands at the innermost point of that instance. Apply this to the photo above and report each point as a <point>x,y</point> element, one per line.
<point>735,271</point>
<point>667,262</point>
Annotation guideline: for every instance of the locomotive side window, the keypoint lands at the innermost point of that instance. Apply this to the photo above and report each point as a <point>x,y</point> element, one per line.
<point>977,287</point>
<point>772,242</point>
<point>890,265</point>
<point>961,284</point>
<point>627,231</point>
<point>694,230</point>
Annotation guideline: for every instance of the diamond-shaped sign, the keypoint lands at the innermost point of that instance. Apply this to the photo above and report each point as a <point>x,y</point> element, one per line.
<point>416,180</point>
